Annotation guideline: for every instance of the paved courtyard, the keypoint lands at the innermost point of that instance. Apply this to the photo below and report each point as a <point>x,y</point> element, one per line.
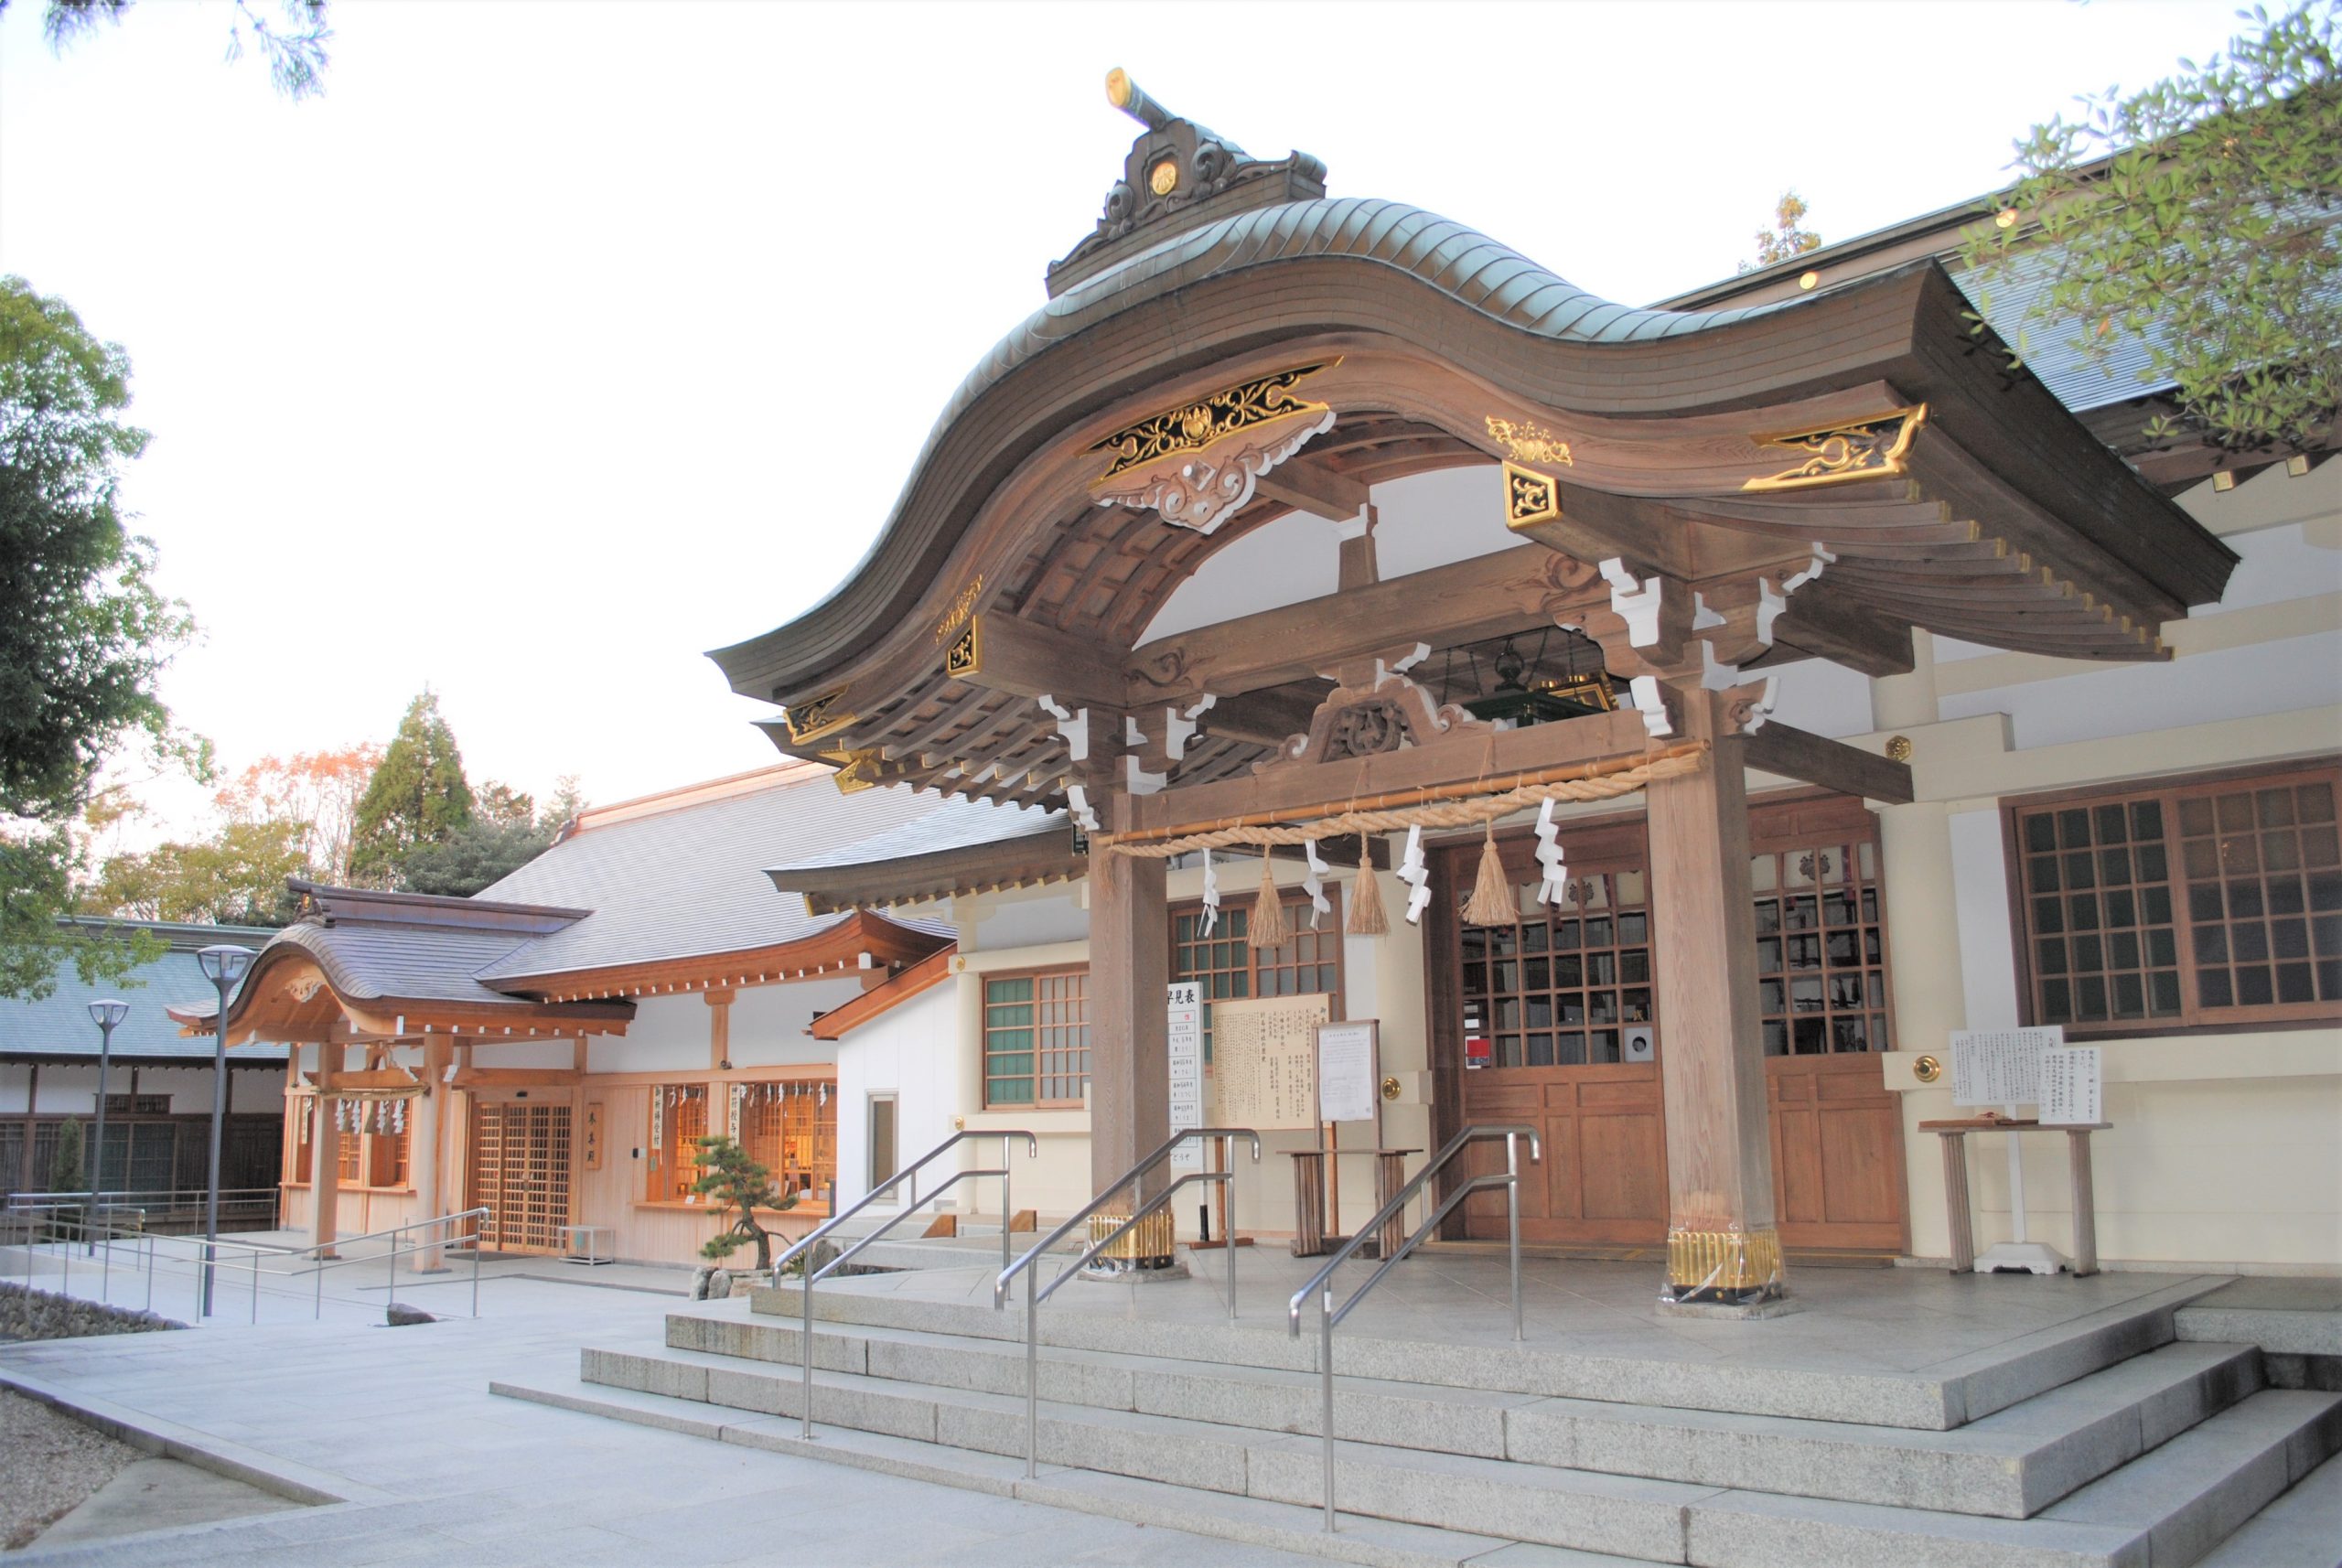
<point>400,1422</point>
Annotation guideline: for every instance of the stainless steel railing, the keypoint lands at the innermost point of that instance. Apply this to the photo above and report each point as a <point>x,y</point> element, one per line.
<point>1036,1294</point>
<point>75,1224</point>
<point>911,1173</point>
<point>1321,1283</point>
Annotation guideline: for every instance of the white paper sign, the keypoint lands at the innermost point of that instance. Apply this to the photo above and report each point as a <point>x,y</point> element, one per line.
<point>1184,1001</point>
<point>2000,1067</point>
<point>1346,1083</point>
<point>2070,1087</point>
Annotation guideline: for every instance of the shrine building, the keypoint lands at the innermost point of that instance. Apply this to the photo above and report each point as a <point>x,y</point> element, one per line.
<point>1873,691</point>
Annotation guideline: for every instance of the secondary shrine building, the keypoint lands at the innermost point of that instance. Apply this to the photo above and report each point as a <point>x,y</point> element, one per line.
<point>1866,691</point>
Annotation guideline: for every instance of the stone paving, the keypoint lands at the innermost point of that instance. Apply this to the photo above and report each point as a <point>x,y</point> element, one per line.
<point>400,1422</point>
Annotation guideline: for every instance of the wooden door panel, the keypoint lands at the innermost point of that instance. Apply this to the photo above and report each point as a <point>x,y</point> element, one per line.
<point>1837,1134</point>
<point>1622,1155</point>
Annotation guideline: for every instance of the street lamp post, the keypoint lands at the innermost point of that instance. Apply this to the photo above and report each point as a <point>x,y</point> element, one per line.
<point>105,1015</point>
<point>224,965</point>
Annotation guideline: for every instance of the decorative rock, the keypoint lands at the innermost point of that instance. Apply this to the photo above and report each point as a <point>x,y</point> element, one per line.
<point>711,1284</point>
<point>398,1314</point>
<point>41,1315</point>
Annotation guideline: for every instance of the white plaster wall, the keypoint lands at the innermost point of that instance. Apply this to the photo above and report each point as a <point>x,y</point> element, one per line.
<point>72,1089</point>
<point>769,1023</point>
<point>1425,521</point>
<point>905,1052</point>
<point>668,1035</point>
<point>1023,920</point>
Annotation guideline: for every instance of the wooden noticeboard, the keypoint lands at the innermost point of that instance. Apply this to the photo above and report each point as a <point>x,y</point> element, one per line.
<point>1264,1061</point>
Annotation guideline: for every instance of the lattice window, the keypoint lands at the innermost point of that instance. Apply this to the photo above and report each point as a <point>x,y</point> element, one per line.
<point>1563,987</point>
<point>1820,948</point>
<point>678,1122</point>
<point>1036,1037</point>
<point>790,1128</point>
<point>1225,965</point>
<point>2187,902</point>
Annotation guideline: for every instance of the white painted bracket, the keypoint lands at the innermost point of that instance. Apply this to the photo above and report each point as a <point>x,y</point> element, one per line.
<point>1652,705</point>
<point>1703,618</point>
<point>1637,602</point>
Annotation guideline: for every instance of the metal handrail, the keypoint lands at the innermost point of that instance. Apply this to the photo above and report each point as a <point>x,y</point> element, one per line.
<point>1035,1294</point>
<point>1321,1282</point>
<point>910,1173</point>
<point>480,1212</point>
<point>205,1253</point>
<point>315,1251</point>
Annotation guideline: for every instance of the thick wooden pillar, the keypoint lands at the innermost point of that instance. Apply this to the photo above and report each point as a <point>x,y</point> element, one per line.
<point>1129,1064</point>
<point>325,1153</point>
<point>1721,1242</point>
<point>426,1149</point>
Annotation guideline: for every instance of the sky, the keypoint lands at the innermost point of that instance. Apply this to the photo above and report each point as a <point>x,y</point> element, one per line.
<point>562,340</point>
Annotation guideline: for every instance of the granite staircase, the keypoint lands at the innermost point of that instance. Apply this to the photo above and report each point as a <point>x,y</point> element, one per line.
<point>2107,1443</point>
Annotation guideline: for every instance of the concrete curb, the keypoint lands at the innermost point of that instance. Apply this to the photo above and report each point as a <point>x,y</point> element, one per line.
<point>167,1439</point>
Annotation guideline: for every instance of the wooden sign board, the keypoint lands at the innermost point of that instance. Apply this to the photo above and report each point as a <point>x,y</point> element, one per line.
<point>1348,1071</point>
<point>1264,1061</point>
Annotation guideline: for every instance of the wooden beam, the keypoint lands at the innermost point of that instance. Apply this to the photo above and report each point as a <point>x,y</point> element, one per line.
<point>1306,485</point>
<point>1478,752</point>
<point>1814,759</point>
<point>1031,661</point>
<point>1267,717</point>
<point>1516,590</point>
<point>1595,525</point>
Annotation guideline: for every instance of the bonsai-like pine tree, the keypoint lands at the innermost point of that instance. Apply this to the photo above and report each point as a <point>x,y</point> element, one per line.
<point>737,1182</point>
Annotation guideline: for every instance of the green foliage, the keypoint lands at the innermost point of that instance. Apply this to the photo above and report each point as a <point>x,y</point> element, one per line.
<point>37,870</point>
<point>296,51</point>
<point>480,853</point>
<point>83,632</point>
<point>234,877</point>
<point>735,1181</point>
<point>2198,215</point>
<point>1785,238</point>
<point>418,795</point>
<point>65,1170</point>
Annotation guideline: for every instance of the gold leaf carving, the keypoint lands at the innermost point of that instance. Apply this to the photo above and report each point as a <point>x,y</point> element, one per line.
<point>1530,442</point>
<point>1196,426</point>
<point>1875,448</point>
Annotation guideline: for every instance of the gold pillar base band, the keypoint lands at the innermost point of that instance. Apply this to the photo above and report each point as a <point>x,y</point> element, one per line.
<point>1724,1265</point>
<point>1149,1244</point>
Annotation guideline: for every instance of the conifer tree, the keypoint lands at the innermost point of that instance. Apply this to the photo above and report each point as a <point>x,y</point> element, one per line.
<point>417,796</point>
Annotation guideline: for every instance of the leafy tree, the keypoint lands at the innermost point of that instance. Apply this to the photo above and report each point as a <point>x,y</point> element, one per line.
<point>67,1172</point>
<point>735,1181</point>
<point>568,804</point>
<point>2197,216</point>
<point>418,795</point>
<point>318,790</point>
<point>474,857</point>
<point>1785,238</point>
<point>295,52</point>
<point>83,632</point>
<point>234,877</point>
<point>501,806</point>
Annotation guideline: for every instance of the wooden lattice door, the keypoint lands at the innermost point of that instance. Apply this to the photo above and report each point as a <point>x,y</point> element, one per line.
<point>521,1175</point>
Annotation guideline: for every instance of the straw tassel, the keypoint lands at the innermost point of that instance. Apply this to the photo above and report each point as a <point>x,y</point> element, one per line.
<point>1491,901</point>
<point>1366,917</point>
<point>1268,927</point>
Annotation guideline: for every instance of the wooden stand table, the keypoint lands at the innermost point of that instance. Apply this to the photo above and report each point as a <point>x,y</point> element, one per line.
<point>1955,1182</point>
<point>1310,1236</point>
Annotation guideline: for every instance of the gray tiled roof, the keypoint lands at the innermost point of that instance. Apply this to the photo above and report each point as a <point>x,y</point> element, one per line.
<point>689,881</point>
<point>58,1024</point>
<point>956,824</point>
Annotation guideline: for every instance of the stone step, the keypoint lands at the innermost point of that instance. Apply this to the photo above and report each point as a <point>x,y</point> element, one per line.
<point>2010,1465</point>
<point>1254,1522</point>
<point>2164,1510</point>
<point>2166,1507</point>
<point>1939,1397</point>
<point>2303,1529</point>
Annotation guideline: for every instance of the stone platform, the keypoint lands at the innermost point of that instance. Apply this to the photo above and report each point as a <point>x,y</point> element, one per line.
<point>1904,1415</point>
